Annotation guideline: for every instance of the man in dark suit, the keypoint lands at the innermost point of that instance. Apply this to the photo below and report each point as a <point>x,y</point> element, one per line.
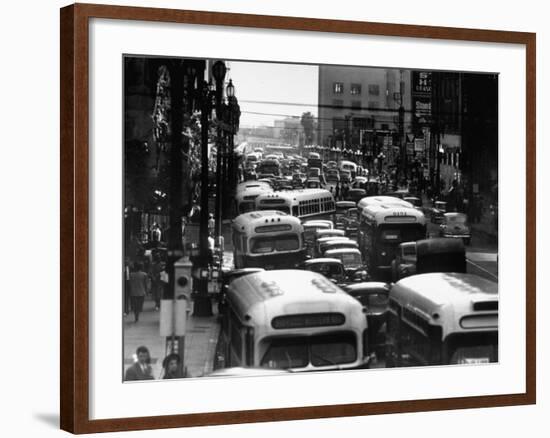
<point>140,370</point>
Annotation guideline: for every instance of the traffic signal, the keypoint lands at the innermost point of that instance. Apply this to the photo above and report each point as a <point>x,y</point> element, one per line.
<point>183,284</point>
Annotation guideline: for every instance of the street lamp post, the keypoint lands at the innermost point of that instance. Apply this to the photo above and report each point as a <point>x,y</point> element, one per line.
<point>218,71</point>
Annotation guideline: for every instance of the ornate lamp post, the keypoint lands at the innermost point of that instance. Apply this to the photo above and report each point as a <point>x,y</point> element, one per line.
<point>219,71</point>
<point>233,113</point>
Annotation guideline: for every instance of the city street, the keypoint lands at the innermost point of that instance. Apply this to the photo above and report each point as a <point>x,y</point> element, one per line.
<point>292,218</point>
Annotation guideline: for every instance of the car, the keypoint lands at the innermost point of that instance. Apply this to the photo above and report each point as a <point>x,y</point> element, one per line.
<point>299,177</point>
<point>355,195</point>
<point>310,232</point>
<point>404,263</point>
<point>332,165</point>
<point>337,243</point>
<point>359,182</point>
<point>437,212</point>
<point>331,268</point>
<point>313,183</point>
<point>353,262</point>
<point>345,176</point>
<point>374,296</point>
<point>350,222</point>
<point>329,232</point>
<point>455,225</point>
<point>226,278</point>
<point>416,202</point>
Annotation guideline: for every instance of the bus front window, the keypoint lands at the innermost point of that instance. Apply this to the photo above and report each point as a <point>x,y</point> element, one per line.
<point>281,243</point>
<point>299,352</point>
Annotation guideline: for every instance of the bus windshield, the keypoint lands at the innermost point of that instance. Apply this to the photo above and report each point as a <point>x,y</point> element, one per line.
<point>267,244</point>
<point>281,208</point>
<point>320,351</point>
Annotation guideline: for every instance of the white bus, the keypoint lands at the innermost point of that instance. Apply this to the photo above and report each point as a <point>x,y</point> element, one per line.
<point>245,185</point>
<point>388,200</point>
<point>304,204</point>
<point>245,198</point>
<point>442,318</point>
<point>382,228</point>
<point>349,166</point>
<point>267,239</point>
<point>293,319</point>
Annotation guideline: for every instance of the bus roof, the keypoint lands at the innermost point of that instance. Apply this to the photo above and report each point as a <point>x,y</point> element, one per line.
<point>298,195</point>
<point>389,200</point>
<point>385,213</point>
<point>432,293</point>
<point>253,184</point>
<point>266,295</point>
<point>248,221</point>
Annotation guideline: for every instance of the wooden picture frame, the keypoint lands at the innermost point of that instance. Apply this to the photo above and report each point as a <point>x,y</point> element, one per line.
<point>75,238</point>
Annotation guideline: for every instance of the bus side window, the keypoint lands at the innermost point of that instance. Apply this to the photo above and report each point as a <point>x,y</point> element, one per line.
<point>294,210</point>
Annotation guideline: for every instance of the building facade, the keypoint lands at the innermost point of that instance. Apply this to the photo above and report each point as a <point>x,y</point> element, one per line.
<point>363,108</point>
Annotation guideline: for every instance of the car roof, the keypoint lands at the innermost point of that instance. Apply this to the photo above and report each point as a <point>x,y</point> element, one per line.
<point>342,250</point>
<point>320,260</point>
<point>367,286</point>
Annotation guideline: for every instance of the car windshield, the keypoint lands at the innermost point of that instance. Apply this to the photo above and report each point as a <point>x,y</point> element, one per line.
<point>330,270</point>
<point>457,219</point>
<point>350,259</point>
<point>372,300</point>
<point>267,244</point>
<point>409,250</point>
<point>299,352</point>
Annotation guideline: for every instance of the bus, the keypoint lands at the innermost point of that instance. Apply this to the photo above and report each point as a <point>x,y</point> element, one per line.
<point>348,166</point>
<point>377,200</point>
<point>269,167</point>
<point>442,319</point>
<point>245,185</point>
<point>267,239</point>
<point>304,204</point>
<point>296,320</point>
<point>244,199</point>
<point>381,229</point>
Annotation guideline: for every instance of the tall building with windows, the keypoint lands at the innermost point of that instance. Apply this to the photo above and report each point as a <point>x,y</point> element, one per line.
<point>355,102</point>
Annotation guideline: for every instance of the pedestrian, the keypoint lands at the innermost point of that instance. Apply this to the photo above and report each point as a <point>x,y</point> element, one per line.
<point>156,235</point>
<point>141,368</point>
<point>211,224</point>
<point>172,367</point>
<point>126,285</point>
<point>139,287</point>
<point>337,191</point>
<point>156,285</point>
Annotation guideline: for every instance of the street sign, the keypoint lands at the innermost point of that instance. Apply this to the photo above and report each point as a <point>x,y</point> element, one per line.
<point>419,144</point>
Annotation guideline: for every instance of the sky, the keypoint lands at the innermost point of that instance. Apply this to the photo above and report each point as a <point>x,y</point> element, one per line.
<point>272,91</point>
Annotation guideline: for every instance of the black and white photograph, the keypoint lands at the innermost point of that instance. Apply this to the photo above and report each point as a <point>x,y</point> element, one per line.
<point>286,218</point>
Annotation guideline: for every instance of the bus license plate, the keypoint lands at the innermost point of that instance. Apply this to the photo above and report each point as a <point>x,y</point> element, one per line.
<point>476,360</point>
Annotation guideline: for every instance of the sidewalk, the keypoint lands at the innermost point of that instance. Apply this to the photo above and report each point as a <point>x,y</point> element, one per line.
<point>200,341</point>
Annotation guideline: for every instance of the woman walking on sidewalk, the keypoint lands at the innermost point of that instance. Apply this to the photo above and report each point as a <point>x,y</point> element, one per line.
<point>139,287</point>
